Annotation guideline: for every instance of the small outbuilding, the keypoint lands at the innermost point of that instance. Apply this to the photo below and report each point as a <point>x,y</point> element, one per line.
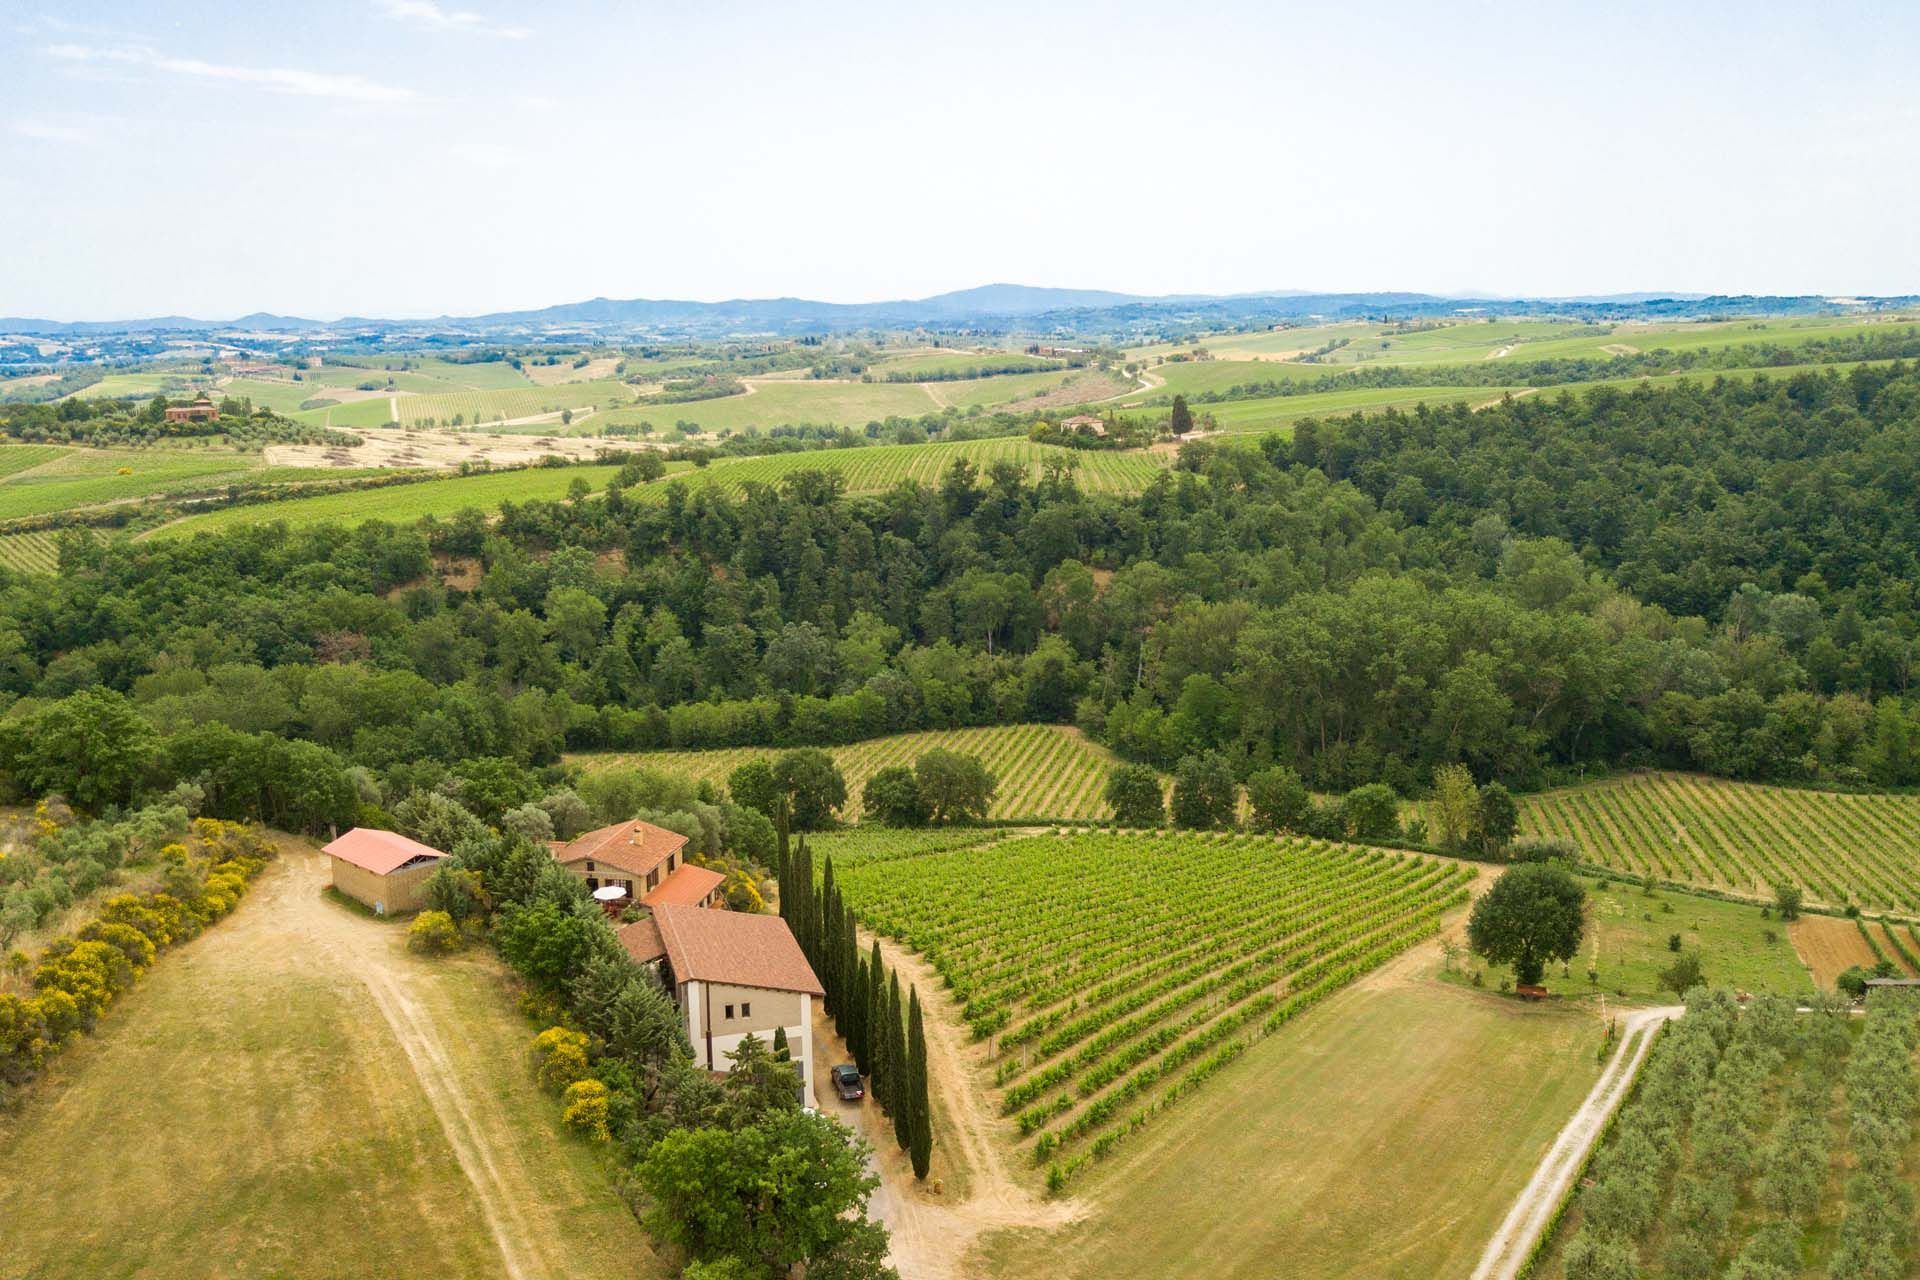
<point>383,869</point>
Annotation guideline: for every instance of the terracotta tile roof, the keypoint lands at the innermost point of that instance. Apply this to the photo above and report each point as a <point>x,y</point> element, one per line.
<point>688,886</point>
<point>634,847</point>
<point>642,940</point>
<point>736,947</point>
<point>380,852</point>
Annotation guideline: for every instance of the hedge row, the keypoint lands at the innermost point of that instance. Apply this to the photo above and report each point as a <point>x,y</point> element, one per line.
<point>77,977</point>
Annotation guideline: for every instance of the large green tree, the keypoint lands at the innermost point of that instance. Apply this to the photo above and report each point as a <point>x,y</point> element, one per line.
<point>1133,791</point>
<point>787,1189</point>
<point>1533,914</point>
<point>93,748</point>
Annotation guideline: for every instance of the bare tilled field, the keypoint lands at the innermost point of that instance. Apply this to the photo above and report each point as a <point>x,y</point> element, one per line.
<point>394,447</point>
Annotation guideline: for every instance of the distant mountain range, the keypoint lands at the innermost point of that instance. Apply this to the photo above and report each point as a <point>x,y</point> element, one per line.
<point>993,308</point>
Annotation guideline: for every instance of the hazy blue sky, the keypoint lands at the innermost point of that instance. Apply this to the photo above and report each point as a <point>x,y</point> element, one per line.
<point>415,157</point>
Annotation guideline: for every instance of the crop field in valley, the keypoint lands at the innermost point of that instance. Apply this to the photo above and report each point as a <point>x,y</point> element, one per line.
<point>1757,1135</point>
<point>1114,974</point>
<point>949,363</point>
<point>1862,849</point>
<point>15,458</point>
<point>470,407</point>
<point>37,551</point>
<point>1044,770</point>
<point>402,503</point>
<point>71,478</point>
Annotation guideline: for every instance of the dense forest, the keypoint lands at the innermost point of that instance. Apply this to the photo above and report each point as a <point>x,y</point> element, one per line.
<point>1714,576</point>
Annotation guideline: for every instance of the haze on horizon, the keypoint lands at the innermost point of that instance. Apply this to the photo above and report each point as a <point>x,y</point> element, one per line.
<point>426,157</point>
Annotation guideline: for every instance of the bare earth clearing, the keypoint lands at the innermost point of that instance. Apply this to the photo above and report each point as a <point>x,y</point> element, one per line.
<point>439,450</point>
<point>1830,946</point>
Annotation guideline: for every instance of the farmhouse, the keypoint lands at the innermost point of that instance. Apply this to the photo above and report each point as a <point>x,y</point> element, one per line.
<point>647,862</point>
<point>201,410</point>
<point>1085,424</point>
<point>733,974</point>
<point>383,869</point>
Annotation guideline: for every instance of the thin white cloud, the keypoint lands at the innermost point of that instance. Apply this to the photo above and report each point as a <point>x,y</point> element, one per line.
<point>42,131</point>
<point>310,84</point>
<point>429,14</point>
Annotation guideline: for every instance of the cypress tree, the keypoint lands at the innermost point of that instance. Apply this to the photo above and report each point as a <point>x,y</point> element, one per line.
<point>829,944</point>
<point>919,1114</point>
<point>875,1017</point>
<point>781,1052</point>
<point>882,1043</point>
<point>851,993</point>
<point>857,1017</point>
<point>897,1053</point>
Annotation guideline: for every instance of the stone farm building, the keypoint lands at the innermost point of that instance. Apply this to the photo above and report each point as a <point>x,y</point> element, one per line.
<point>201,410</point>
<point>1085,424</point>
<point>383,869</point>
<point>733,973</point>
<point>646,861</point>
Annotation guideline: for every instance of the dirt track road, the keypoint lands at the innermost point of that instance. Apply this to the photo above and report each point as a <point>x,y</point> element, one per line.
<point>328,938</point>
<point>1514,1241</point>
<point>931,1233</point>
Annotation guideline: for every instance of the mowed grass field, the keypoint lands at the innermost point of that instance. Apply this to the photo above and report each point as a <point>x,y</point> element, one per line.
<point>1044,770</point>
<point>296,1095</point>
<point>1114,974</point>
<point>1739,836</point>
<point>399,503</point>
<point>39,480</point>
<point>1382,1136</point>
<point>1628,944</point>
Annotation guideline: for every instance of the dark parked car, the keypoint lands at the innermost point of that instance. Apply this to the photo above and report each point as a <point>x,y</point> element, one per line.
<point>846,1082</point>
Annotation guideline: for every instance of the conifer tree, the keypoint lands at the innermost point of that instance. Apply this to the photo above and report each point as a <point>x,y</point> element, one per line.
<point>882,1042</point>
<point>897,1053</point>
<point>781,1051</point>
<point>857,1016</point>
<point>829,942</point>
<point>876,1016</point>
<point>919,1113</point>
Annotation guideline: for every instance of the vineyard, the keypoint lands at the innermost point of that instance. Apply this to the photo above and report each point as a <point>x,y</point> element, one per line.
<point>1729,1159</point>
<point>877,468</point>
<point>1113,974</point>
<point>1738,836</point>
<point>403,503</point>
<point>1043,770</point>
<point>35,552</point>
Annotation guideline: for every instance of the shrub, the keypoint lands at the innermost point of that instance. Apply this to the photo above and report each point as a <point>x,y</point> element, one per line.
<point>586,1110</point>
<point>560,1058</point>
<point>433,932</point>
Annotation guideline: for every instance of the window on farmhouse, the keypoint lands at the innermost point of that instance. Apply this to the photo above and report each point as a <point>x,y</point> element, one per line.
<point>746,1011</point>
<point>729,1011</point>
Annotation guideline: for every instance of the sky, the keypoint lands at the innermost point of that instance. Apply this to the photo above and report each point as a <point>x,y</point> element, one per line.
<point>423,157</point>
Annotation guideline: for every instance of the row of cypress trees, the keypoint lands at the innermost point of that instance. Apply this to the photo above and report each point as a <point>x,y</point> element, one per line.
<point>887,1039</point>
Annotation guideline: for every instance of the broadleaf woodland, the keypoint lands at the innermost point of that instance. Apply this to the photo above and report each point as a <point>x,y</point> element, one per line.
<point>1716,575</point>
